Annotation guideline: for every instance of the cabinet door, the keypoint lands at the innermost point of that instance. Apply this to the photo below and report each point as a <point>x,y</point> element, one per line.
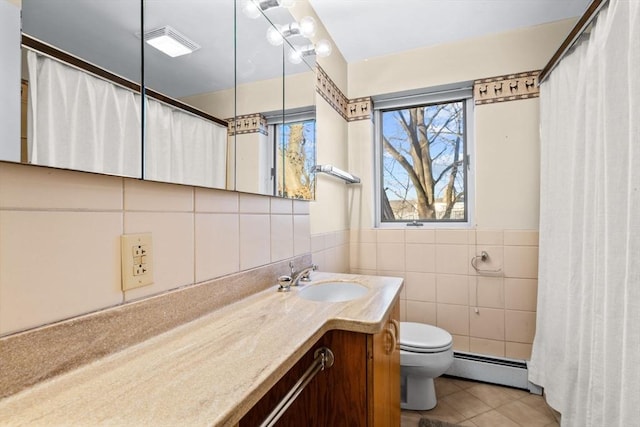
<point>385,372</point>
<point>335,397</point>
<point>394,370</point>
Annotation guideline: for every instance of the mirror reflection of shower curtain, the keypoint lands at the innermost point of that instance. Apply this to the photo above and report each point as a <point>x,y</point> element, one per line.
<point>183,148</point>
<point>586,352</point>
<point>82,122</point>
<point>78,121</point>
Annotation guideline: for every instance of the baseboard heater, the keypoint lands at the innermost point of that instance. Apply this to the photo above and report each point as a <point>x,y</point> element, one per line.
<point>494,370</point>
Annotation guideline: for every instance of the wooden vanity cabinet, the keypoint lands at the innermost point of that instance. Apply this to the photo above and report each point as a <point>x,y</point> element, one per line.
<point>384,371</point>
<point>362,388</point>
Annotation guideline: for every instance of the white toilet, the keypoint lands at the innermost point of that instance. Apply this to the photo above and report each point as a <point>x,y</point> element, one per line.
<point>425,353</point>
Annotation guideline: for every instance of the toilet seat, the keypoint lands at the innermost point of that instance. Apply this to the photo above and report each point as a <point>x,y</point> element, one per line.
<point>422,338</point>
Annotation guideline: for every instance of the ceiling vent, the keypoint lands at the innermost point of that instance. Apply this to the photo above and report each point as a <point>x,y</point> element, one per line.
<point>170,42</point>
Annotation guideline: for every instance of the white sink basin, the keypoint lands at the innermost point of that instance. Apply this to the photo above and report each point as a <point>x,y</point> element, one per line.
<point>333,291</point>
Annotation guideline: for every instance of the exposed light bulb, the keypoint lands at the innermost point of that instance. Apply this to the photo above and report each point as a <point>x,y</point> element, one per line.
<point>253,8</point>
<point>307,27</point>
<point>295,56</point>
<point>274,36</point>
<point>250,9</point>
<point>323,48</point>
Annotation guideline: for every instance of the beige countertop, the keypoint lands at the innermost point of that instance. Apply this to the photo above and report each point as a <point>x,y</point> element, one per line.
<point>210,371</point>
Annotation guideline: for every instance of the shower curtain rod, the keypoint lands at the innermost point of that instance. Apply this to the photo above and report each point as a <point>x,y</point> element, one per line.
<point>583,23</point>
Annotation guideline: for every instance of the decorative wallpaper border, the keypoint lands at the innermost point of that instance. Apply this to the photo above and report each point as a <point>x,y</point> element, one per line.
<point>350,110</point>
<point>250,123</point>
<point>330,92</point>
<point>506,88</point>
<point>509,87</point>
<point>359,109</point>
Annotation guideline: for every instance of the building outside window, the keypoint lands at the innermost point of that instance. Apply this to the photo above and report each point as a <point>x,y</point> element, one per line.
<point>423,159</point>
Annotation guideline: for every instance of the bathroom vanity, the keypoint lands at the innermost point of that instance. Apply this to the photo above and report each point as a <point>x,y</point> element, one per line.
<point>233,365</point>
<point>362,388</point>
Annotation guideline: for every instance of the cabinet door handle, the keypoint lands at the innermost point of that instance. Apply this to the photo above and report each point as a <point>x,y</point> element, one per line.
<point>394,341</point>
<point>396,326</point>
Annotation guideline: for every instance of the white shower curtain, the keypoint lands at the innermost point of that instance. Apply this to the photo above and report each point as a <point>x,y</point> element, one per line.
<point>79,121</point>
<point>586,353</point>
<point>184,148</point>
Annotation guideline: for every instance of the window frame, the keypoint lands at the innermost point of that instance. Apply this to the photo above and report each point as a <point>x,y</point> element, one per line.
<point>274,123</point>
<point>402,100</point>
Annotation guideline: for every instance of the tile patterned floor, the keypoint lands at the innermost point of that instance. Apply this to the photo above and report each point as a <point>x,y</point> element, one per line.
<point>470,403</point>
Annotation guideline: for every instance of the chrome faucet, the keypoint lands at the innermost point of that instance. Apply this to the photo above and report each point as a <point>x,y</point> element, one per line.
<point>284,283</point>
<point>301,275</point>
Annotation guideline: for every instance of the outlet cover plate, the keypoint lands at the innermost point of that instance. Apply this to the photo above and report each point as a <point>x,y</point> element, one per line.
<point>137,260</point>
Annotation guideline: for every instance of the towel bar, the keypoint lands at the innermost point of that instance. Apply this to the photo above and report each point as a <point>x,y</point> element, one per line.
<point>338,173</point>
<point>323,358</point>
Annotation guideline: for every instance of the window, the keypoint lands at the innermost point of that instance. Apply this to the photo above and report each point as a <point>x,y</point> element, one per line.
<point>295,155</point>
<point>423,158</point>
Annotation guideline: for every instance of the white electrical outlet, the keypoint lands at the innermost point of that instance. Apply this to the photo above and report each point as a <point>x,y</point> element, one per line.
<point>137,260</point>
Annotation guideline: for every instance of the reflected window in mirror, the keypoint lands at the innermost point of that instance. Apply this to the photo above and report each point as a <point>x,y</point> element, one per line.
<point>295,149</point>
<point>235,73</point>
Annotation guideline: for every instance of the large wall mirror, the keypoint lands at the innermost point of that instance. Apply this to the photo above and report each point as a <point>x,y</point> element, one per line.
<point>106,89</point>
<point>84,105</point>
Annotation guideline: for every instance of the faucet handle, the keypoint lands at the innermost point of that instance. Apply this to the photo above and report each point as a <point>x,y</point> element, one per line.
<point>305,277</point>
<point>284,283</point>
<point>291,266</point>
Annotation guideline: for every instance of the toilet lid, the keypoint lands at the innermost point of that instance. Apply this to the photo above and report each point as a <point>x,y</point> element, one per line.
<point>419,337</point>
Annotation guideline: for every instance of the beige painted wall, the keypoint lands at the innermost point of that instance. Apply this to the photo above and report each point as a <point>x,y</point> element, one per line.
<point>329,214</point>
<point>335,64</point>
<point>219,104</point>
<point>506,135</point>
<point>328,211</point>
<point>508,165</point>
<point>520,50</point>
<point>259,97</point>
<point>486,313</point>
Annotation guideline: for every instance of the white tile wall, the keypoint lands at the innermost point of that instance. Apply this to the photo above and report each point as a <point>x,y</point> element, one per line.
<point>487,313</point>
<point>46,188</point>
<point>173,249</point>
<point>255,240</point>
<point>60,239</point>
<point>252,203</point>
<point>301,234</point>
<point>219,201</point>
<point>56,265</point>
<point>158,197</point>
<point>331,252</point>
<point>281,237</point>
<point>217,245</point>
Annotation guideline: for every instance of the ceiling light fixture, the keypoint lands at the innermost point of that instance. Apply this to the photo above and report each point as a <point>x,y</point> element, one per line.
<point>305,28</point>
<point>253,8</point>
<point>322,49</point>
<point>170,42</point>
